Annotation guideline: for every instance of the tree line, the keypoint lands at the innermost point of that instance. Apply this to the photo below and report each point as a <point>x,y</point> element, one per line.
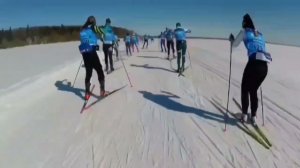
<point>45,34</point>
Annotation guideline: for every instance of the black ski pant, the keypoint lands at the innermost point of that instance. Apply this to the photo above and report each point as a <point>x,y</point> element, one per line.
<point>108,51</point>
<point>163,45</point>
<point>91,61</point>
<point>170,43</point>
<point>128,48</point>
<point>181,51</point>
<point>254,74</point>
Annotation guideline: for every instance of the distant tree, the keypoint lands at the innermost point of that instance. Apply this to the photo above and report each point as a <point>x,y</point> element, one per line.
<point>1,36</point>
<point>10,35</point>
<point>62,29</point>
<point>27,31</point>
<point>44,34</point>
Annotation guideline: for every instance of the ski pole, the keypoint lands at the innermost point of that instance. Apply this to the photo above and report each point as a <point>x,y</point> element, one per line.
<point>126,72</point>
<point>226,117</point>
<point>190,59</point>
<point>77,73</point>
<point>262,106</point>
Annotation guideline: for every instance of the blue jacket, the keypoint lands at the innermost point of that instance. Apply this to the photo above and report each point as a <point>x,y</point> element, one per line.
<point>180,33</point>
<point>88,40</point>
<point>255,43</point>
<point>109,36</point>
<point>127,39</point>
<point>170,35</point>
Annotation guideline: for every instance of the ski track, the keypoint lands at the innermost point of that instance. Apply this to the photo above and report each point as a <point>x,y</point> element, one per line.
<point>257,162</point>
<point>212,142</point>
<point>244,156</point>
<point>283,117</point>
<point>219,74</point>
<point>282,109</point>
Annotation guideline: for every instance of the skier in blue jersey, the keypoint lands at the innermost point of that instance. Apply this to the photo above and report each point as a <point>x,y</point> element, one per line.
<point>127,41</point>
<point>181,46</point>
<point>135,42</point>
<point>163,42</point>
<point>108,40</point>
<point>256,69</point>
<point>170,41</point>
<point>146,41</point>
<point>88,47</point>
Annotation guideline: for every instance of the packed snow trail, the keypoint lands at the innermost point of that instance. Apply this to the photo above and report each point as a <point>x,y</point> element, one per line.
<point>162,121</point>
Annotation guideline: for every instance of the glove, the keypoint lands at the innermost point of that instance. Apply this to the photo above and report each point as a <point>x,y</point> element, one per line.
<point>231,38</point>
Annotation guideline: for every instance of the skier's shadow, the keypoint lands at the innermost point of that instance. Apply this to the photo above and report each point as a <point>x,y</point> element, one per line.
<point>65,86</point>
<point>151,57</point>
<point>151,67</point>
<point>166,101</point>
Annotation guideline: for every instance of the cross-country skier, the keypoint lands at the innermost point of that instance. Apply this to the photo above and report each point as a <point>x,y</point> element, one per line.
<point>163,42</point>
<point>170,41</point>
<point>181,46</point>
<point>88,47</point>
<point>108,40</point>
<point>127,41</point>
<point>256,69</point>
<point>146,38</point>
<point>136,41</point>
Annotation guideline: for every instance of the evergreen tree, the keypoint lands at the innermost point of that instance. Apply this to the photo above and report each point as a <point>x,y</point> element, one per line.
<point>10,34</point>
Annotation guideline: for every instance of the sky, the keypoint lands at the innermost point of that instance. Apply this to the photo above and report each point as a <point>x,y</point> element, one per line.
<point>278,20</point>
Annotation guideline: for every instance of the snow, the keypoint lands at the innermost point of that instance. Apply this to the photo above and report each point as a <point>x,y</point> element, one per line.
<point>162,121</point>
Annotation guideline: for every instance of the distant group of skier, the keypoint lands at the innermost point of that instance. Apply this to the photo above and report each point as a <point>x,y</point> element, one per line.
<point>253,76</point>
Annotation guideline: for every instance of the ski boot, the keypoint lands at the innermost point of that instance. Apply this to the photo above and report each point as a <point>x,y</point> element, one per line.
<point>104,93</point>
<point>243,118</point>
<point>87,96</point>
<point>253,121</point>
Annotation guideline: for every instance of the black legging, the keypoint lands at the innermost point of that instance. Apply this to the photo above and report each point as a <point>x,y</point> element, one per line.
<point>91,61</point>
<point>163,45</point>
<point>254,74</point>
<point>128,48</point>
<point>170,43</point>
<point>108,50</point>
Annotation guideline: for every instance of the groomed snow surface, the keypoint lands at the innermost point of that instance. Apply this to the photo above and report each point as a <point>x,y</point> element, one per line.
<point>163,121</point>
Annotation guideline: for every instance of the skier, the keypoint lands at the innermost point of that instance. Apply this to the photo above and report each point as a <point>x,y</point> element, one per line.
<point>135,42</point>
<point>108,40</point>
<point>180,35</point>
<point>170,41</point>
<point>163,42</point>
<point>146,38</point>
<point>88,47</point>
<point>132,43</point>
<point>256,69</point>
<point>127,40</point>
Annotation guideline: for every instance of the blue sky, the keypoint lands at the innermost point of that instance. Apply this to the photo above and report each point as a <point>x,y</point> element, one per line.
<point>279,20</point>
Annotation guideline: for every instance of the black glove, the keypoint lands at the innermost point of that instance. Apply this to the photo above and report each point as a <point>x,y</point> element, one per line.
<point>231,38</point>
